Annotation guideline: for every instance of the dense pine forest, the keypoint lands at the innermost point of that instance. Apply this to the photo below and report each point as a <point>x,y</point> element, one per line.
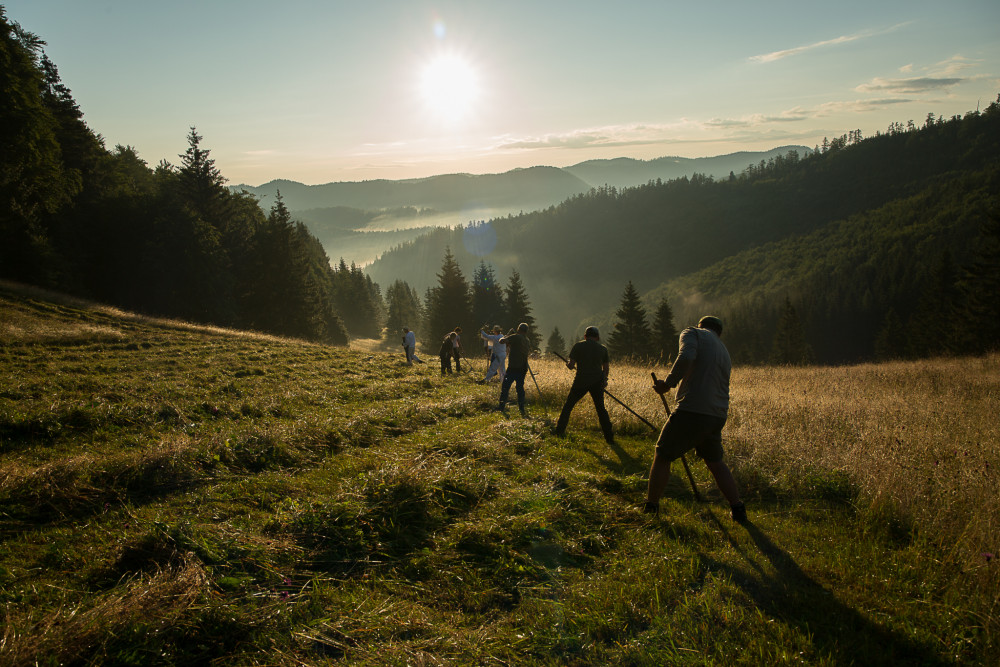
<point>169,240</point>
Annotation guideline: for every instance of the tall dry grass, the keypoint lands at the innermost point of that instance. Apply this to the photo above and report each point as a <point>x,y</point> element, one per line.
<point>916,440</point>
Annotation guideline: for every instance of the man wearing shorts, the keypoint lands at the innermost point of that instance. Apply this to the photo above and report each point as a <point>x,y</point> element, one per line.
<point>701,375</point>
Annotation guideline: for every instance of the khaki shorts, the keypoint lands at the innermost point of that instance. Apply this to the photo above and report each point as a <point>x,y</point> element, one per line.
<point>685,430</point>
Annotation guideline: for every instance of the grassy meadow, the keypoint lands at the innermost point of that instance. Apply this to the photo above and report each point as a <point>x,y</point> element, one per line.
<point>178,495</point>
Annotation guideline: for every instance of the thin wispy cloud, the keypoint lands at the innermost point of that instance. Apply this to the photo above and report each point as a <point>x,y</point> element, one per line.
<point>605,137</point>
<point>912,86</point>
<point>774,56</point>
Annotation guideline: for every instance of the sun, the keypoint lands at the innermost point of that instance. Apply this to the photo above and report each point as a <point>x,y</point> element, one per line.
<point>449,86</point>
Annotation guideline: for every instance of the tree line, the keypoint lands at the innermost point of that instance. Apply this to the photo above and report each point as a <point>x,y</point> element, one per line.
<point>458,302</point>
<point>169,240</point>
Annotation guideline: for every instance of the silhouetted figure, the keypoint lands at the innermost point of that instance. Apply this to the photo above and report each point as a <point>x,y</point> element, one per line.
<point>590,359</point>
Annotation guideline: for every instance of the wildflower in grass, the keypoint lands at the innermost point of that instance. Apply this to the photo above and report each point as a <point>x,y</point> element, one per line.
<point>988,556</point>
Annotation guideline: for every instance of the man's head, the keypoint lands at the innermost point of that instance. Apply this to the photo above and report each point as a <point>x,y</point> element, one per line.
<point>712,323</point>
<point>592,332</point>
<point>405,330</point>
<point>497,329</point>
<point>522,328</point>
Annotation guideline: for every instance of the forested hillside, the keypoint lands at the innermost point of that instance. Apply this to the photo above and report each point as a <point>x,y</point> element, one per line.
<point>577,257</point>
<point>171,241</point>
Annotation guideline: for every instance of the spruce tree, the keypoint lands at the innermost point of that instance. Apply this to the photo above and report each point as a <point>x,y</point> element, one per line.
<point>487,298</point>
<point>556,343</point>
<point>664,332</point>
<point>403,309</point>
<point>33,181</point>
<point>631,337</point>
<point>519,308</point>
<point>448,304</point>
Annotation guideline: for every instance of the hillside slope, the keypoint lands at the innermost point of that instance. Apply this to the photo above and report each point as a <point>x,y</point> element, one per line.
<point>181,495</point>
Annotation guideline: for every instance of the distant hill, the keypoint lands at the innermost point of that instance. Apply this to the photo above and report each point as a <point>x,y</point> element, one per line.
<point>627,172</point>
<point>517,190</point>
<point>513,191</point>
<point>360,220</point>
<point>575,259</point>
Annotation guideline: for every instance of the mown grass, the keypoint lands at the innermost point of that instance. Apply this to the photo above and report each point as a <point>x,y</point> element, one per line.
<point>173,495</point>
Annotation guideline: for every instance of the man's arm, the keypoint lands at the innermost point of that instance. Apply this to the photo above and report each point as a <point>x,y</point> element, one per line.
<point>686,355</point>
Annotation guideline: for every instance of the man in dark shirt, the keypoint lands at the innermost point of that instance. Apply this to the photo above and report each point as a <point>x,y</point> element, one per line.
<point>518,349</point>
<point>590,359</point>
<point>701,370</point>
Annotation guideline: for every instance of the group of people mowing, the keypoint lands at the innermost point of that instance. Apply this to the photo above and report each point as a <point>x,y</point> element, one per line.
<point>700,373</point>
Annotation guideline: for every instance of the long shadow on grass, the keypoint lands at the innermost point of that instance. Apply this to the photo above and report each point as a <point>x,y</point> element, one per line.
<point>626,464</point>
<point>838,630</point>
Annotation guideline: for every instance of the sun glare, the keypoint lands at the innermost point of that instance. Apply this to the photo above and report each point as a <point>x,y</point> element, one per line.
<point>449,87</point>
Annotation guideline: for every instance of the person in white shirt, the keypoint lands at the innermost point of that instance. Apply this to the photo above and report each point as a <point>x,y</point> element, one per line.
<point>410,345</point>
<point>498,353</point>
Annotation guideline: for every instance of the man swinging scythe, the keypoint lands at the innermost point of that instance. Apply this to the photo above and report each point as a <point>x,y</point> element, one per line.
<point>701,374</point>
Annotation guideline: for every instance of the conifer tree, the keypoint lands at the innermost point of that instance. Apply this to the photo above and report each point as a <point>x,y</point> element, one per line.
<point>358,301</point>
<point>33,181</point>
<point>789,346</point>
<point>556,343</point>
<point>664,332</point>
<point>518,308</point>
<point>487,297</point>
<point>448,305</point>
<point>631,337</point>
<point>403,309</point>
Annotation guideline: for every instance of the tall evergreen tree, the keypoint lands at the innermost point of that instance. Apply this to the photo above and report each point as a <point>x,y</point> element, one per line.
<point>518,308</point>
<point>33,181</point>
<point>358,301</point>
<point>631,337</point>
<point>790,345</point>
<point>448,304</point>
<point>664,332</point>
<point>556,343</point>
<point>403,310</point>
<point>487,297</point>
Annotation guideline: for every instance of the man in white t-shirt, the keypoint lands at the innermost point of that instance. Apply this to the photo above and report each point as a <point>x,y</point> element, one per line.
<point>498,352</point>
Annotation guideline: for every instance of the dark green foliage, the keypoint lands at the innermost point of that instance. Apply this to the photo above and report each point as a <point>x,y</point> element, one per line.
<point>631,337</point>
<point>664,334</point>
<point>403,309</point>
<point>448,305</point>
<point>487,298</point>
<point>34,183</point>
<point>556,343</point>
<point>358,300</point>
<point>849,232</point>
<point>978,315</point>
<point>518,308</point>
<point>172,242</point>
<point>789,345</point>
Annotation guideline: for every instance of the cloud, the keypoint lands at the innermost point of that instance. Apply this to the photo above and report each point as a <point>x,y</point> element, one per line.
<point>836,41</point>
<point>908,86</point>
<point>605,137</point>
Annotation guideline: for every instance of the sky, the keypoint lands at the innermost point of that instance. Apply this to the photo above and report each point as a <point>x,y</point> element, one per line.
<point>323,91</point>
